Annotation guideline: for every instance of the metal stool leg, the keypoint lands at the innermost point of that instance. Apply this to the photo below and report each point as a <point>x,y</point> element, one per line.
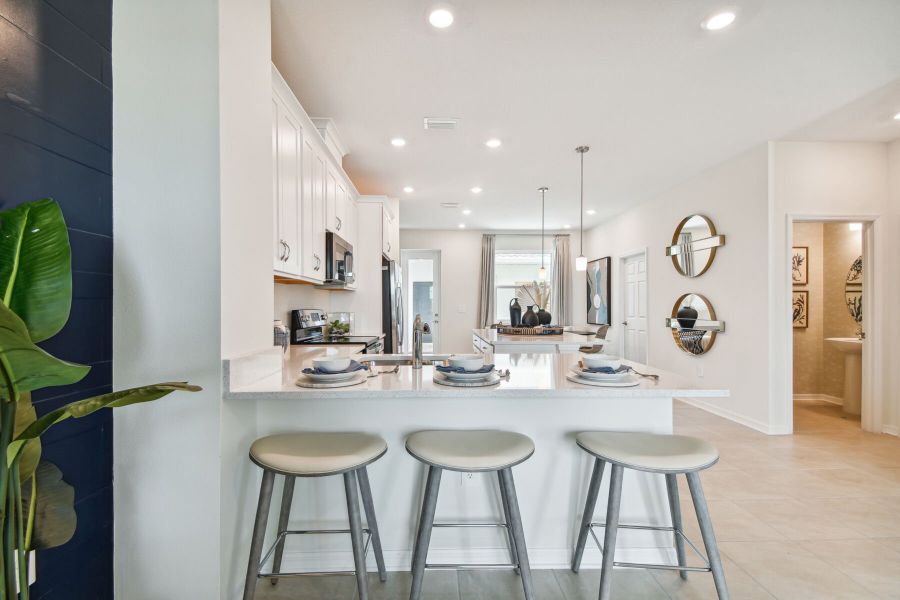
<point>423,536</point>
<point>286,497</point>
<point>369,506</point>
<point>612,525</point>
<point>259,533</point>
<point>506,480</point>
<point>513,555</point>
<point>588,516</point>
<point>675,509</point>
<point>709,536</point>
<point>356,534</point>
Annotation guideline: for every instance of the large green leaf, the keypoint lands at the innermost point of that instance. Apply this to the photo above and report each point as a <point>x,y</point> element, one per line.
<point>27,366</point>
<point>82,408</point>
<point>31,454</point>
<point>54,515</point>
<point>36,266</point>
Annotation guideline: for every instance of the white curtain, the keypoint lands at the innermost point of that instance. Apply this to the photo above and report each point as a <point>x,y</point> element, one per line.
<point>561,282</point>
<point>486,312</point>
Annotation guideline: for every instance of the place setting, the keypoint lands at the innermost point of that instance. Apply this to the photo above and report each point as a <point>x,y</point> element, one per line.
<point>467,370</point>
<point>602,370</point>
<point>333,373</point>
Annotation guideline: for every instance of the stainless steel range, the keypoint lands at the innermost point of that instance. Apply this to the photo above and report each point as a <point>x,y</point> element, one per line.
<point>307,327</point>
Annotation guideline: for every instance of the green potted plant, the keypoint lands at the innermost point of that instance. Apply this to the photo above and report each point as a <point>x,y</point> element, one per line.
<point>36,504</point>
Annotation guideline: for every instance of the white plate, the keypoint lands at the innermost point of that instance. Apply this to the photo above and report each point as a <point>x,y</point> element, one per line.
<point>441,379</point>
<point>600,376</point>
<point>630,382</point>
<point>305,382</point>
<point>330,377</point>
<point>467,376</point>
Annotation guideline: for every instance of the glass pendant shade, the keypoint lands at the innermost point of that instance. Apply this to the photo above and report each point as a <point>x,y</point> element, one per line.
<point>581,263</point>
<point>542,274</point>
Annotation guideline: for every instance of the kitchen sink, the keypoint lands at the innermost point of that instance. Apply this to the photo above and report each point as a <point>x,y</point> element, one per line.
<point>401,359</point>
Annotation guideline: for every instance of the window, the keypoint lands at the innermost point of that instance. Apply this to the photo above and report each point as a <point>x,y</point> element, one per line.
<point>513,269</point>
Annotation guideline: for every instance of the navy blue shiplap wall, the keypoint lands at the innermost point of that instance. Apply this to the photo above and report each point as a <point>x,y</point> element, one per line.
<point>56,141</point>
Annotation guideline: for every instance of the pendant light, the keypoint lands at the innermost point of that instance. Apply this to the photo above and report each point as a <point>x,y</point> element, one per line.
<point>581,261</point>
<point>542,272</point>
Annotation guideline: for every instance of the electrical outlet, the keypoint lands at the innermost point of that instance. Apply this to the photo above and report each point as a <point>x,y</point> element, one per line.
<point>700,370</point>
<point>466,479</point>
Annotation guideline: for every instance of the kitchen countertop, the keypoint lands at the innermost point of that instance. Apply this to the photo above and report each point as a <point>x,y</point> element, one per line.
<point>269,376</point>
<point>492,337</point>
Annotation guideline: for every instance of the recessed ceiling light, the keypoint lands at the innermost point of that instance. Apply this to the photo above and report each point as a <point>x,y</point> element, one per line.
<point>440,18</point>
<point>590,211</point>
<point>467,211</point>
<point>462,225</point>
<point>719,20</point>
<point>567,226</point>
<point>476,190</point>
<point>409,189</point>
<point>493,143</point>
<point>398,142</point>
<point>897,117</point>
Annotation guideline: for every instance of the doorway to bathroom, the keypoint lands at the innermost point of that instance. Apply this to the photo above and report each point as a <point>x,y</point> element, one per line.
<point>830,280</point>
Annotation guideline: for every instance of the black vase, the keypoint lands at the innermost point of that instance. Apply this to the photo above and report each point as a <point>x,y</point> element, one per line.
<point>530,318</point>
<point>687,317</point>
<point>544,317</point>
<point>515,313</point>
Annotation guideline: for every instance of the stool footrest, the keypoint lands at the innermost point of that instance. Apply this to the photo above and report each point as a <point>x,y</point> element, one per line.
<point>705,569</point>
<point>467,566</point>
<point>470,525</point>
<point>283,534</point>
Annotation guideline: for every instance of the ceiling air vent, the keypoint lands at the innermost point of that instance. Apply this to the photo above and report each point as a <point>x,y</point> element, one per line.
<point>449,204</point>
<point>441,123</point>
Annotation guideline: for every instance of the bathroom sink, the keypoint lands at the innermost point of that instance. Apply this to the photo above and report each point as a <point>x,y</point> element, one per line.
<point>848,345</point>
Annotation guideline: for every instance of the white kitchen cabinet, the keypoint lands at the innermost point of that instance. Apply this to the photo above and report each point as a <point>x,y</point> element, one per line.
<point>390,235</point>
<point>287,141</point>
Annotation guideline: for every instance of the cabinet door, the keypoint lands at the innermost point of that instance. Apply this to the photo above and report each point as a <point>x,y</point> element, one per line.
<point>330,199</point>
<point>318,217</point>
<point>385,232</point>
<point>341,202</point>
<point>288,157</point>
<point>307,212</point>
<point>278,251</point>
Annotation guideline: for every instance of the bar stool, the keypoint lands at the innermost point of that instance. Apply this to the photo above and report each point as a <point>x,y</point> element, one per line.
<point>470,452</point>
<point>315,454</point>
<point>669,455</point>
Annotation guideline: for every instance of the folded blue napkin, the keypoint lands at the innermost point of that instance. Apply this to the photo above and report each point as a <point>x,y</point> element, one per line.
<point>606,370</point>
<point>448,369</point>
<point>354,366</point>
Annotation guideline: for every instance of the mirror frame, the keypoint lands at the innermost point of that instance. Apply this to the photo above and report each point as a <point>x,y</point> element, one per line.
<point>675,248</point>
<point>714,325</point>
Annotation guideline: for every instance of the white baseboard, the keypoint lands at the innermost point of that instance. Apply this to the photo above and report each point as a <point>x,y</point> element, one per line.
<point>733,416</point>
<point>820,397</point>
<point>891,430</point>
<point>400,560</point>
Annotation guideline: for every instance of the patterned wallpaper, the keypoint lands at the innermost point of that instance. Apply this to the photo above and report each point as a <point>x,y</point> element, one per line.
<point>809,342</point>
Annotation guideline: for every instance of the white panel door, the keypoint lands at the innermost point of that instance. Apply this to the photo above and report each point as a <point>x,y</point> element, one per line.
<point>635,308</point>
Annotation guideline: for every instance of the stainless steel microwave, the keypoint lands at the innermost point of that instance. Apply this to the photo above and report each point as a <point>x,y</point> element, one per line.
<point>338,261</point>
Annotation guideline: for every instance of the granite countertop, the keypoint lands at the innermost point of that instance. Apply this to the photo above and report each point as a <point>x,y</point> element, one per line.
<point>270,376</point>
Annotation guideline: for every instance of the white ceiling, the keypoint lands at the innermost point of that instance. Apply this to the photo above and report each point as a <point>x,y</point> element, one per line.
<point>657,98</point>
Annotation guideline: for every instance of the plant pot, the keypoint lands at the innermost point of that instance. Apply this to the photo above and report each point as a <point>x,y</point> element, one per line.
<point>687,317</point>
<point>544,317</point>
<point>515,313</point>
<point>530,318</point>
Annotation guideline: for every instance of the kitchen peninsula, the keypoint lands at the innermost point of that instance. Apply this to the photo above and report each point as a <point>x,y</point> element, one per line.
<point>536,400</point>
<point>491,341</point>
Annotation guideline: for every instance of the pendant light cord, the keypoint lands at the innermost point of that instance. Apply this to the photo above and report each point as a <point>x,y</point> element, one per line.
<point>543,192</point>
<point>581,243</point>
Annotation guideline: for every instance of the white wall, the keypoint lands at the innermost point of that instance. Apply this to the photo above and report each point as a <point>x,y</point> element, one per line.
<point>734,196</point>
<point>290,297</point>
<point>892,362</point>
<point>827,179</point>
<point>245,147</point>
<point>461,276</point>
<point>166,298</point>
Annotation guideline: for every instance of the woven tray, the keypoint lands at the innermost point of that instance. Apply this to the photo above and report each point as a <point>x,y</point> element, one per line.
<point>545,330</point>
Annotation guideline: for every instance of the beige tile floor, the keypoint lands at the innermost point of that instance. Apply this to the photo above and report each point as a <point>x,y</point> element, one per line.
<point>814,515</point>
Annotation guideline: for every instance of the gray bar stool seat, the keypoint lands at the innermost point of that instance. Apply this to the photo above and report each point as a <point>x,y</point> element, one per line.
<point>471,451</point>
<point>669,455</point>
<point>315,454</point>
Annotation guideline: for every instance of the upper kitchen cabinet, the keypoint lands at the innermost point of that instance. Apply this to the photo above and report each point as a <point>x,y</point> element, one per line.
<point>312,193</point>
<point>390,232</point>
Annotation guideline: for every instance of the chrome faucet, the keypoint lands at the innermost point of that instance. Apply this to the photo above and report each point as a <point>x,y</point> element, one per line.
<point>420,329</point>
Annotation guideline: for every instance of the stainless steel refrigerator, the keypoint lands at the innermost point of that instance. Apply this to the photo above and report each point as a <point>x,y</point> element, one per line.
<point>391,306</point>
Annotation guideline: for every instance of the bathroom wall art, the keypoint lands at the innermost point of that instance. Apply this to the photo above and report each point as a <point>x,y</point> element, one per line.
<point>853,290</point>
<point>800,265</point>
<point>801,309</point>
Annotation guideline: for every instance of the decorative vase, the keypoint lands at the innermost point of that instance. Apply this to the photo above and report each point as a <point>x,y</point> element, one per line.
<point>530,318</point>
<point>544,317</point>
<point>515,313</point>
<point>687,317</point>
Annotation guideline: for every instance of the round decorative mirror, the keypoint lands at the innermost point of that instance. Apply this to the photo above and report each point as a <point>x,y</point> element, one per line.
<point>853,290</point>
<point>694,245</point>
<point>694,324</point>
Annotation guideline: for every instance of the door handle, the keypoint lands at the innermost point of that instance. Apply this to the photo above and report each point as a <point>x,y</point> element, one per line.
<point>624,322</point>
